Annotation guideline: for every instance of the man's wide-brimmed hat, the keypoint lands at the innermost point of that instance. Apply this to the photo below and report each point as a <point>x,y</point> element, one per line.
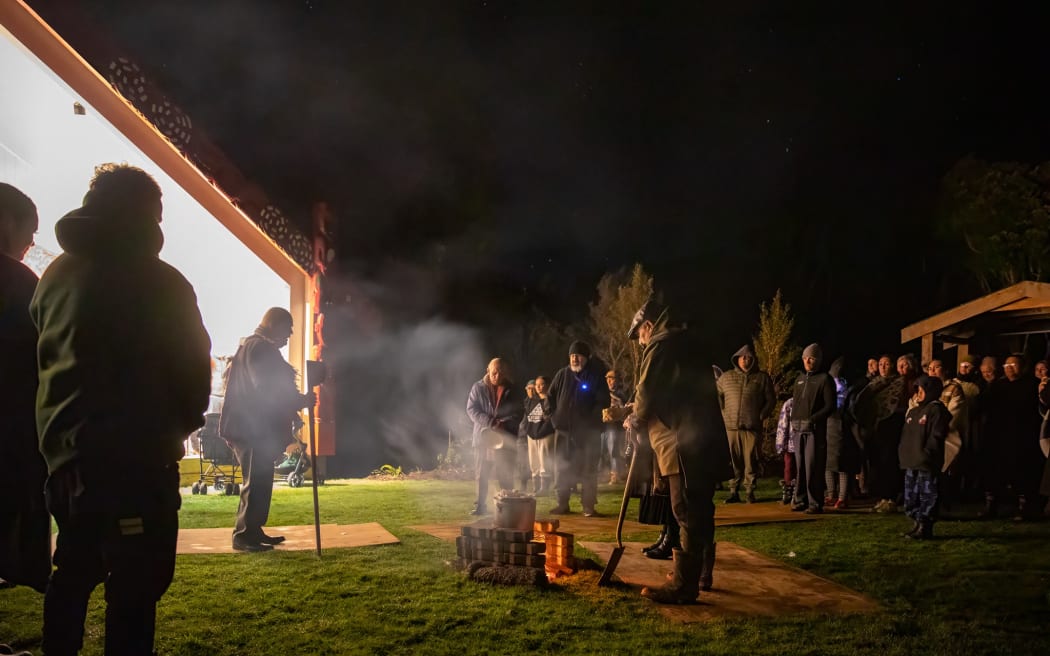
<point>650,311</point>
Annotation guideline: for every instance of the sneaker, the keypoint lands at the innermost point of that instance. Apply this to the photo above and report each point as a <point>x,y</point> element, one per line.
<point>878,505</point>
<point>559,510</point>
<point>750,497</point>
<point>591,513</point>
<point>613,478</point>
<point>798,507</point>
<point>478,510</point>
<point>271,539</point>
<point>813,510</point>
<point>889,506</point>
<point>841,504</point>
<point>732,498</point>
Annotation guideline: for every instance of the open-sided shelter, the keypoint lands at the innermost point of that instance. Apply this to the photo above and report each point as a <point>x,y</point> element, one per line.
<point>1020,309</point>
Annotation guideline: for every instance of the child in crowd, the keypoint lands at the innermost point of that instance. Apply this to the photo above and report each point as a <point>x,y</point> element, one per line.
<point>921,454</point>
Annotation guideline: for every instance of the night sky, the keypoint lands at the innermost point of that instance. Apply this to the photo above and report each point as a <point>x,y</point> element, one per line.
<point>525,148</point>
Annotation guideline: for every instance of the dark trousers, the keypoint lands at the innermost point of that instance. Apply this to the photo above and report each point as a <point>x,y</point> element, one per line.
<point>811,456</point>
<point>884,470</point>
<point>122,533</point>
<point>695,512</point>
<point>576,457</point>
<point>256,491</point>
<point>489,462</point>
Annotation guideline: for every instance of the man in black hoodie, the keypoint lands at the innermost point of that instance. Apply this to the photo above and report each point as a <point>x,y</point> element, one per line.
<point>577,395</point>
<point>125,375</point>
<point>814,401</point>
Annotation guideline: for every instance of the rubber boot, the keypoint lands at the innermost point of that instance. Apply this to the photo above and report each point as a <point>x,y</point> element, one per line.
<point>659,540</point>
<point>684,586</point>
<point>672,541</point>
<point>707,567</point>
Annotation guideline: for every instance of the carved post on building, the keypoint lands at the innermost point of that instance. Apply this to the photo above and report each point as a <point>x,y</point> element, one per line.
<point>324,263</point>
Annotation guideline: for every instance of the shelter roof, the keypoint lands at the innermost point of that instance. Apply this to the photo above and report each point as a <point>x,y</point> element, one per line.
<point>70,25</point>
<point>1019,309</point>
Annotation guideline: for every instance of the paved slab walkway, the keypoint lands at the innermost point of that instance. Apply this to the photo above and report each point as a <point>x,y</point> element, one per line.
<point>746,584</point>
<point>298,538</point>
<point>577,524</point>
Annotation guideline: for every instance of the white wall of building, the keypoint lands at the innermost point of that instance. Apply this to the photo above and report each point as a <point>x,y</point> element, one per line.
<point>49,152</point>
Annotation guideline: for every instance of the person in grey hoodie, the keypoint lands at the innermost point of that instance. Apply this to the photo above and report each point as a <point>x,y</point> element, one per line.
<point>814,401</point>
<point>747,398</point>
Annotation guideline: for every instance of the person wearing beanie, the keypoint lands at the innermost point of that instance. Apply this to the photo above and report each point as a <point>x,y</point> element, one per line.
<point>676,411</point>
<point>813,402</point>
<point>125,376</point>
<point>747,399</point>
<point>921,454</point>
<point>261,406</point>
<point>575,400</point>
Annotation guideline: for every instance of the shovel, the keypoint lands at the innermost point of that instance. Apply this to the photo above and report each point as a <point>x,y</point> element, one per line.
<point>617,552</point>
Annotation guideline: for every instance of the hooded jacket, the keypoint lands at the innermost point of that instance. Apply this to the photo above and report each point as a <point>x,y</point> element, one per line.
<point>815,400</point>
<point>536,422</point>
<point>123,356</point>
<point>746,397</point>
<point>576,400</point>
<point>679,392</point>
<point>925,429</point>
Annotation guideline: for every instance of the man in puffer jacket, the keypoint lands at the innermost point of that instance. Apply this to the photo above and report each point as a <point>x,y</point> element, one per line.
<point>746,396</point>
<point>125,375</point>
<point>921,455</point>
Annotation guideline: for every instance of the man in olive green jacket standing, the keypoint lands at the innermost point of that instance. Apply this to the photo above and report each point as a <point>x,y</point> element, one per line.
<point>745,394</point>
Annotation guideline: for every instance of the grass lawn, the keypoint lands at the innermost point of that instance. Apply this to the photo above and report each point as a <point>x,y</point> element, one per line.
<point>981,588</point>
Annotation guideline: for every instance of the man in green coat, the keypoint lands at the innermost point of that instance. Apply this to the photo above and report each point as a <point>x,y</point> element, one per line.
<point>676,405</point>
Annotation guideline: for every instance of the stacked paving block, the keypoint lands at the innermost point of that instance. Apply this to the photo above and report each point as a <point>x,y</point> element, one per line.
<point>499,546</point>
<point>559,549</point>
<point>544,548</point>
